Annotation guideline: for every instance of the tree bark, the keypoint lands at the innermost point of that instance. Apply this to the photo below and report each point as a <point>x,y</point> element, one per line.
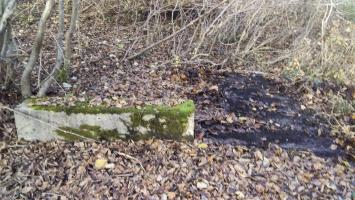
<point>7,7</point>
<point>7,45</point>
<point>26,75</point>
<point>6,63</point>
<point>69,33</point>
<point>1,34</point>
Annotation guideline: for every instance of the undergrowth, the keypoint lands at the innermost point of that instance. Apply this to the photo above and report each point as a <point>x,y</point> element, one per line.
<point>301,40</point>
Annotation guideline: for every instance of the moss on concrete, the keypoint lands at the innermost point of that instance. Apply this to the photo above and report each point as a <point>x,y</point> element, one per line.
<point>163,122</point>
<point>185,108</point>
<point>167,124</point>
<point>87,131</point>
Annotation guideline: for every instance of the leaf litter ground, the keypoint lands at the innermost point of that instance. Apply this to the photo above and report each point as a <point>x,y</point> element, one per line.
<point>247,127</point>
<point>172,170</point>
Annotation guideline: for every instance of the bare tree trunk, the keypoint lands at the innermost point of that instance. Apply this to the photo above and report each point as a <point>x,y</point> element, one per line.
<point>69,34</point>
<point>1,34</point>
<point>3,45</point>
<point>26,75</point>
<point>7,7</point>
<point>7,45</point>
<point>68,45</point>
<point>7,63</point>
<point>60,52</point>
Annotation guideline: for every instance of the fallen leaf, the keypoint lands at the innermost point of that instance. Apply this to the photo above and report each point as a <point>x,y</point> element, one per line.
<point>100,163</point>
<point>26,189</point>
<point>304,177</point>
<point>333,147</point>
<point>309,96</point>
<point>214,87</point>
<point>240,195</point>
<point>110,166</point>
<point>241,119</point>
<point>181,186</point>
<point>3,146</point>
<point>202,146</point>
<point>241,171</point>
<point>230,119</point>
<point>259,188</point>
<point>339,169</point>
<point>266,162</point>
<point>317,166</point>
<point>81,170</point>
<point>171,195</point>
<point>346,163</point>
<point>258,155</point>
<point>202,184</point>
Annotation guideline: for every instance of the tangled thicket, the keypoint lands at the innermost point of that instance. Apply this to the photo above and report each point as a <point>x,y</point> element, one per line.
<point>295,38</point>
<point>300,36</point>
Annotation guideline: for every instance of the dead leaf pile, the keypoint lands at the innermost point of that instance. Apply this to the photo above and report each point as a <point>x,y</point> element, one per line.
<point>172,170</point>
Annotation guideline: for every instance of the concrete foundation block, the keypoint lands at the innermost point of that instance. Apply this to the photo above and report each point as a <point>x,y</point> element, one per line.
<point>46,122</point>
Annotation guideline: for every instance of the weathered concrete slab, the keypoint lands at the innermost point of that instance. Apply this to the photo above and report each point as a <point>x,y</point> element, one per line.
<point>46,122</point>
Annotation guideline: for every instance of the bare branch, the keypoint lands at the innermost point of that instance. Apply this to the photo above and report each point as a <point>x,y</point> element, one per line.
<point>175,33</point>
<point>60,55</point>
<point>26,75</point>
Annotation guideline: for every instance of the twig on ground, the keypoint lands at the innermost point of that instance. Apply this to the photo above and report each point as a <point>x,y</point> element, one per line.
<point>131,158</point>
<point>53,194</point>
<point>124,175</point>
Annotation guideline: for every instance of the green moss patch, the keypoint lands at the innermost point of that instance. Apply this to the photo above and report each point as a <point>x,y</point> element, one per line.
<point>185,108</point>
<point>87,131</point>
<point>158,121</point>
<point>168,123</point>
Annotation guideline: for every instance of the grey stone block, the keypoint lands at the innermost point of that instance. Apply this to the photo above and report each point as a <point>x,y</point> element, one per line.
<point>49,122</point>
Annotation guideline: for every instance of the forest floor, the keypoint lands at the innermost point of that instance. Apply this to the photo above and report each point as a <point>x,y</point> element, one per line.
<point>258,136</point>
<point>255,139</point>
